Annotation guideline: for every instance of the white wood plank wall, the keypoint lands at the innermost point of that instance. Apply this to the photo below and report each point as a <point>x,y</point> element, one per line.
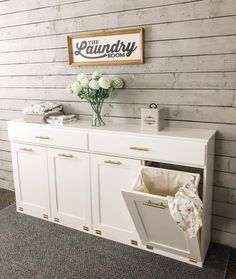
<point>190,51</point>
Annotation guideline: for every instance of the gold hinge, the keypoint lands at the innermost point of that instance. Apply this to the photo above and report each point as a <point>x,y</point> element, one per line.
<point>21,209</point>
<point>149,247</point>
<point>45,216</point>
<point>192,260</point>
<point>134,242</point>
<point>56,220</point>
<point>85,228</point>
<point>98,232</point>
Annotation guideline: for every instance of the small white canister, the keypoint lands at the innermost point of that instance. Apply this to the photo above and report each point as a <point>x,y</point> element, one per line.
<point>152,118</point>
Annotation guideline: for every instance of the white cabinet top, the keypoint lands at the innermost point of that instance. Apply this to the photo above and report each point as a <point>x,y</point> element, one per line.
<point>201,135</point>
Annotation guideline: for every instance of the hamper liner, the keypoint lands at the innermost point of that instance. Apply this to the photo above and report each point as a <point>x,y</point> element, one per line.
<point>148,206</point>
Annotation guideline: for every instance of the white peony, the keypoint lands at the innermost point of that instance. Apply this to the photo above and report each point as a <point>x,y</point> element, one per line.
<point>96,75</point>
<point>117,83</point>
<point>104,82</point>
<point>81,76</point>
<point>84,82</point>
<point>69,89</point>
<point>94,84</point>
<point>76,87</point>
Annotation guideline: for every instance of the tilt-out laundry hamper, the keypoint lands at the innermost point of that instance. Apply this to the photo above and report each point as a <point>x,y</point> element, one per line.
<point>148,207</point>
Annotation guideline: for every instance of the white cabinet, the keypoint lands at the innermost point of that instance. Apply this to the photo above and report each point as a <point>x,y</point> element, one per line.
<point>73,175</point>
<point>111,218</point>
<point>31,179</point>
<point>53,184</point>
<point>69,180</point>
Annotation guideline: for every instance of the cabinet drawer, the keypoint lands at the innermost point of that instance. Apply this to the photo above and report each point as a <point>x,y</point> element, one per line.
<point>49,136</point>
<point>150,148</point>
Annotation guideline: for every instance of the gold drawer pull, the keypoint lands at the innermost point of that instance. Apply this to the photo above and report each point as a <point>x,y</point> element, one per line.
<point>139,148</point>
<point>66,155</point>
<point>26,149</point>
<point>112,162</point>
<point>149,203</point>
<point>42,137</point>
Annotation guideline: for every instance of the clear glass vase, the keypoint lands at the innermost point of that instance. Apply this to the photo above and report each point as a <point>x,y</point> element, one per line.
<point>97,120</point>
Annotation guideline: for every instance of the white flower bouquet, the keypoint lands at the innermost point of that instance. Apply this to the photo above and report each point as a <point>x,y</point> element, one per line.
<point>94,89</point>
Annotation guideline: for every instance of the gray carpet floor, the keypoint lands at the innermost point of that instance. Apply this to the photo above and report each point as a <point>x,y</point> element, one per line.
<point>6,198</point>
<point>231,270</point>
<point>36,249</point>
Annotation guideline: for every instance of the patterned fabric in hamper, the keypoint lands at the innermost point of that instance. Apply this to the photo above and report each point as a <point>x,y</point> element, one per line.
<point>186,209</point>
<point>181,192</point>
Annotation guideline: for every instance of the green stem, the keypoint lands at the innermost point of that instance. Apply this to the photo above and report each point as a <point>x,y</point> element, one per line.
<point>97,108</point>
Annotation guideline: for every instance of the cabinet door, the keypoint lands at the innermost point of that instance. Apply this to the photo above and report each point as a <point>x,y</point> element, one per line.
<point>31,179</point>
<point>111,218</point>
<point>69,181</point>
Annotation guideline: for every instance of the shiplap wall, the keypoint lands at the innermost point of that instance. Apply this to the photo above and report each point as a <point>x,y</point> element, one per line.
<point>190,51</point>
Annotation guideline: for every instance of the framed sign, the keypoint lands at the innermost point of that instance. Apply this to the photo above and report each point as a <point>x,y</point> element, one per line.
<point>123,46</point>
